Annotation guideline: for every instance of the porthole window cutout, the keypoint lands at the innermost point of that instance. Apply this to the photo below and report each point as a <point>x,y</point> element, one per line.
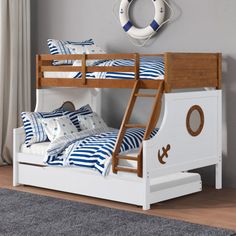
<point>195,120</point>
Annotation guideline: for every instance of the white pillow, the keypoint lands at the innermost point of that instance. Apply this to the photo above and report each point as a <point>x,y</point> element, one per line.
<point>57,127</point>
<point>91,121</point>
<point>90,49</point>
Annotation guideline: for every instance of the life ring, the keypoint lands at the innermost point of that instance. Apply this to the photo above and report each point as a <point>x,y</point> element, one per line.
<point>141,33</point>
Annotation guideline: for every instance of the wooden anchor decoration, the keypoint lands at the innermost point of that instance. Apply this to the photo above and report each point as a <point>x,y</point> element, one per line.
<point>164,154</point>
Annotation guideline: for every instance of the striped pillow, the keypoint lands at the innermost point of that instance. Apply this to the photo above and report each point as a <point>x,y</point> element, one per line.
<point>34,130</point>
<point>58,47</point>
<point>73,115</point>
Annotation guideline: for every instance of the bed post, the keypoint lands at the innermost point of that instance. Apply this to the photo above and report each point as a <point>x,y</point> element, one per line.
<point>218,166</point>
<point>37,72</point>
<point>167,87</point>
<point>146,183</point>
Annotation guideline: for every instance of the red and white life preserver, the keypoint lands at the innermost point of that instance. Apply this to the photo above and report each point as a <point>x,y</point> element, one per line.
<point>141,33</point>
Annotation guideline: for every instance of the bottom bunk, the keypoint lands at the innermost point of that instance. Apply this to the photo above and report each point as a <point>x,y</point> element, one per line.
<point>177,147</point>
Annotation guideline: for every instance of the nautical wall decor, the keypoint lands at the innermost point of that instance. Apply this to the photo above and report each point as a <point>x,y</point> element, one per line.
<point>142,35</point>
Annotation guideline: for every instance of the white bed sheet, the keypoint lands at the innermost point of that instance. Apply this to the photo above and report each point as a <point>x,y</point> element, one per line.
<point>68,75</point>
<point>56,74</point>
<point>36,148</point>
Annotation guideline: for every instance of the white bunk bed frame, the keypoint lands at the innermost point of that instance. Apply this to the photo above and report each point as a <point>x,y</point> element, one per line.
<point>187,151</point>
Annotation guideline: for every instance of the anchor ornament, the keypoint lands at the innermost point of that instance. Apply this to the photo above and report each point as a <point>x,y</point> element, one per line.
<point>164,154</point>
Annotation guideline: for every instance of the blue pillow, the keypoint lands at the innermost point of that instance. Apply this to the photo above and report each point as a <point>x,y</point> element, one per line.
<point>34,130</point>
<point>58,47</point>
<point>73,115</point>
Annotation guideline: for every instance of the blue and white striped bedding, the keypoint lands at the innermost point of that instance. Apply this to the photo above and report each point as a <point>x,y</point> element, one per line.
<point>150,68</point>
<point>33,127</point>
<point>34,131</point>
<point>73,115</point>
<point>92,148</point>
<point>59,47</point>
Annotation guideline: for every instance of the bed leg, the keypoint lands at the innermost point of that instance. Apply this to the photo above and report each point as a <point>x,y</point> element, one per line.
<point>146,206</point>
<point>15,175</point>
<point>218,175</point>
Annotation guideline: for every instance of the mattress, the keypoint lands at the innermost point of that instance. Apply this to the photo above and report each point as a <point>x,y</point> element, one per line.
<point>56,74</point>
<point>36,148</point>
<point>37,152</point>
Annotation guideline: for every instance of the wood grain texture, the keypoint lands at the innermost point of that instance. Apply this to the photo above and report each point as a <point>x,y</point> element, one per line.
<point>219,76</point>
<point>191,70</point>
<point>96,83</point>
<point>84,69</point>
<point>210,207</point>
<point>153,119</point>
<point>136,66</point>
<point>182,70</point>
<point>122,130</point>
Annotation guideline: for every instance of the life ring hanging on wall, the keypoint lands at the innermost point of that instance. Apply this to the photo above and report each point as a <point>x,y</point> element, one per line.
<point>141,33</point>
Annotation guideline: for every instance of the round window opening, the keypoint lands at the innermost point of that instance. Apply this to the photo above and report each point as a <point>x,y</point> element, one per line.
<point>195,120</point>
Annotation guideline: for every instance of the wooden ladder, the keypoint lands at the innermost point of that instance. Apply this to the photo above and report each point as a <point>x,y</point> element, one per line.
<point>148,128</point>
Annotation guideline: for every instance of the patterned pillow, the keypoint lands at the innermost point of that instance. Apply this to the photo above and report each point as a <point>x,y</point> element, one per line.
<point>91,121</point>
<point>58,47</point>
<point>73,115</point>
<point>91,49</point>
<point>58,126</point>
<point>77,49</point>
<point>33,128</point>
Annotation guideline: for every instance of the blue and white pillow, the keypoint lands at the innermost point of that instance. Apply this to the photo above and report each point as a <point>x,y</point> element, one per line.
<point>91,121</point>
<point>77,49</point>
<point>58,47</point>
<point>34,130</point>
<point>73,115</point>
<point>58,126</point>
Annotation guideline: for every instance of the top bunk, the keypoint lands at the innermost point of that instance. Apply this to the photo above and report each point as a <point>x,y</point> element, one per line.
<point>178,70</point>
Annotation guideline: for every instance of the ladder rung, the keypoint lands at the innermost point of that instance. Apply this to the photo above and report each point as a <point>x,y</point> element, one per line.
<point>135,126</point>
<point>126,169</point>
<point>148,95</point>
<point>128,158</point>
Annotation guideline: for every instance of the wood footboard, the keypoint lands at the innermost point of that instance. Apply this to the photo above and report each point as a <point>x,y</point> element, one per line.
<point>192,70</point>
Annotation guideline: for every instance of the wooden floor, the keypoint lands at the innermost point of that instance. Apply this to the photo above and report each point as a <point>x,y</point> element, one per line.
<point>210,207</point>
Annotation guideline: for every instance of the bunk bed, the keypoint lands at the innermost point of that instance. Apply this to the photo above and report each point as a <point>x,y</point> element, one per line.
<point>158,170</point>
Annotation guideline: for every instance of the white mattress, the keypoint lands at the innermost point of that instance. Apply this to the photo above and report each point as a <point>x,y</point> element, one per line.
<point>39,151</point>
<point>37,148</point>
<point>56,74</point>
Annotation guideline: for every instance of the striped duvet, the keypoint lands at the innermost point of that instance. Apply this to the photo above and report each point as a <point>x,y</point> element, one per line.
<point>150,68</point>
<point>92,148</point>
